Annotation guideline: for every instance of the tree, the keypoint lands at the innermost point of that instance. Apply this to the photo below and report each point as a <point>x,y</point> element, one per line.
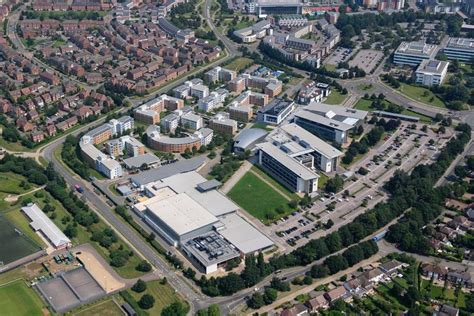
<point>147,301</point>
<point>334,184</point>
<point>256,301</point>
<point>214,310</point>
<point>175,309</point>
<point>319,271</point>
<point>336,263</point>
<point>270,295</point>
<point>144,266</point>
<point>139,286</point>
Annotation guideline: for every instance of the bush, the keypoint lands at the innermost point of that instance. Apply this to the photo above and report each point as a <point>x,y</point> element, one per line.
<point>143,266</point>
<point>139,286</point>
<point>146,301</point>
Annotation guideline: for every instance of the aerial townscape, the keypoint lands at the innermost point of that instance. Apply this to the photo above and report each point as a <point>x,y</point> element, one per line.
<point>236,157</point>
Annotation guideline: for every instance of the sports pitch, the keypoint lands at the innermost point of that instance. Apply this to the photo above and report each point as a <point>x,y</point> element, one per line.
<point>17,299</point>
<point>15,244</point>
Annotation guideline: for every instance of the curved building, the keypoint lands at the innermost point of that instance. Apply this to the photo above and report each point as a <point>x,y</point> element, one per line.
<point>164,143</point>
<point>247,139</point>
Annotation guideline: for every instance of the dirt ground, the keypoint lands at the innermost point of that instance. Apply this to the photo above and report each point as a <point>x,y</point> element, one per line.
<point>108,281</point>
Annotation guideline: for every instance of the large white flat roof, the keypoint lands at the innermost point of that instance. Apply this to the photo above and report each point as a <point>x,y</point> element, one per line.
<point>41,222</point>
<point>213,201</point>
<point>181,213</point>
<point>243,235</point>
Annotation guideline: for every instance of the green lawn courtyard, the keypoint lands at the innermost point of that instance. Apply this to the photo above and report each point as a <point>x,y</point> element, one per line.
<point>102,308</point>
<point>335,97</point>
<point>16,299</point>
<point>259,199</point>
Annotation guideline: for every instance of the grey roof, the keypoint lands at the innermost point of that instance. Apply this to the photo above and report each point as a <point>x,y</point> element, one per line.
<point>166,171</point>
<point>210,249</point>
<point>401,116</point>
<point>287,161</point>
<point>138,161</point>
<point>208,185</point>
<point>315,142</point>
<point>41,222</point>
<point>249,136</point>
<point>429,66</point>
<point>243,235</point>
<point>313,117</point>
<point>460,43</point>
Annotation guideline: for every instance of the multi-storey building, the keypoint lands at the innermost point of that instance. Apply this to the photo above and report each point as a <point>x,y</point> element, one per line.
<point>191,121</point>
<point>222,123</point>
<point>164,143</point>
<point>413,53</point>
<point>330,122</point>
<point>431,72</point>
<point>219,74</point>
<point>213,101</point>
<point>275,112</point>
<point>461,49</point>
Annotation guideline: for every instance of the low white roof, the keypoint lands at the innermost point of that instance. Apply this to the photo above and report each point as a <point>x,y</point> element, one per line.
<point>243,235</point>
<point>182,214</point>
<point>41,222</point>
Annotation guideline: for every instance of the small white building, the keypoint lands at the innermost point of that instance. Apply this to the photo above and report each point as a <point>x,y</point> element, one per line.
<point>431,72</point>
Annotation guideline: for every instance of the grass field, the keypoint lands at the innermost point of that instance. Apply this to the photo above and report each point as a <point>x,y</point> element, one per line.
<point>364,104</point>
<point>421,94</point>
<point>288,193</point>
<point>102,308</point>
<point>19,220</point>
<point>258,198</point>
<point>17,299</point>
<point>335,97</point>
<point>13,146</point>
<point>10,183</point>
<point>330,67</point>
<point>239,64</point>
<point>164,295</point>
<point>262,126</point>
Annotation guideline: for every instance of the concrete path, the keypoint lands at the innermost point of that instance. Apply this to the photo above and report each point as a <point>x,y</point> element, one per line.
<point>246,166</point>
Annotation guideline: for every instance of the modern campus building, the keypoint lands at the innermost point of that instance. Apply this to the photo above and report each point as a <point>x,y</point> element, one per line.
<point>222,123</point>
<point>253,33</point>
<point>330,122</point>
<point>213,101</point>
<point>461,49</point>
<point>291,21</point>
<point>189,213</point>
<point>325,156</point>
<point>431,72</point>
<point>40,222</point>
<point>276,111</point>
<point>413,53</point>
<point>247,139</point>
<point>289,164</point>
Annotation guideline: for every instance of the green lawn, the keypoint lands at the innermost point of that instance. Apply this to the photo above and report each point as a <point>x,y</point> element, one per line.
<point>239,64</point>
<point>364,104</point>
<point>335,97</point>
<point>258,198</point>
<point>102,308</point>
<point>19,220</point>
<point>330,67</point>
<point>13,146</point>
<point>10,183</point>
<point>421,94</point>
<point>289,194</point>
<point>164,295</point>
<point>17,299</point>
<point>58,43</point>
<point>262,126</point>
<point>323,178</point>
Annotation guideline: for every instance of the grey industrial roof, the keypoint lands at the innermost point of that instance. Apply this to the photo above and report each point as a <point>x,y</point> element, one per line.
<point>432,66</point>
<point>211,249</point>
<point>209,185</point>
<point>296,167</point>
<point>248,137</point>
<point>324,109</point>
<point>243,235</point>
<point>315,142</point>
<point>138,161</point>
<point>162,172</point>
<point>41,222</point>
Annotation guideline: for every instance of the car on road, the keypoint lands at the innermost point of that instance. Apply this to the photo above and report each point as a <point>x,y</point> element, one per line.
<point>78,188</point>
